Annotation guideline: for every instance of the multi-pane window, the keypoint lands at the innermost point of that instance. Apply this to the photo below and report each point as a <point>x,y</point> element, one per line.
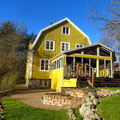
<point>57,64</point>
<point>44,65</point>
<point>66,30</point>
<point>50,45</point>
<point>65,46</point>
<point>79,45</point>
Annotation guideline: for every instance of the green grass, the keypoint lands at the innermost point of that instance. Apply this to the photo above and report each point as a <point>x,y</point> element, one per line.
<point>109,108</point>
<point>16,110</point>
<point>79,117</point>
<point>110,88</point>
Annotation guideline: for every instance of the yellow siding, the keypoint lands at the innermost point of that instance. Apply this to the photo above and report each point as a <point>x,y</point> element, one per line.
<point>56,79</point>
<point>37,74</point>
<point>69,82</point>
<point>55,34</point>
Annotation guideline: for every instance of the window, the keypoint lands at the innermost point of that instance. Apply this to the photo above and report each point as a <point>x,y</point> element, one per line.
<point>57,64</point>
<point>65,46</point>
<point>79,45</point>
<point>44,65</point>
<point>66,30</point>
<point>50,45</point>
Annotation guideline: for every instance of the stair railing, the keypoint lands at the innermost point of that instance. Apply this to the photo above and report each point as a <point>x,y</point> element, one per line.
<point>93,76</point>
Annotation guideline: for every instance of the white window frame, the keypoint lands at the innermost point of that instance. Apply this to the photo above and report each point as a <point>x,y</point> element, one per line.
<point>65,46</point>
<point>61,63</point>
<point>44,65</point>
<point>50,44</point>
<point>79,45</point>
<point>65,30</point>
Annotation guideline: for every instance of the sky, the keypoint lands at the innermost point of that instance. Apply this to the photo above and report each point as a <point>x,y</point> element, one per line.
<point>38,14</point>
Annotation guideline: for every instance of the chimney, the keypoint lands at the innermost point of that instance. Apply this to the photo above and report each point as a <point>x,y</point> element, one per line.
<point>52,22</point>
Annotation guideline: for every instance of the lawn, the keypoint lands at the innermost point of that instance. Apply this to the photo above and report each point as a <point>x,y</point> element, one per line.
<point>16,110</point>
<point>110,88</point>
<point>109,108</point>
<point>79,117</point>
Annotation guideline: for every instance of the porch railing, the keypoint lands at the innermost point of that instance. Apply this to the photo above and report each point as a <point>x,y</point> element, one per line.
<point>75,70</point>
<point>78,70</point>
<point>93,74</point>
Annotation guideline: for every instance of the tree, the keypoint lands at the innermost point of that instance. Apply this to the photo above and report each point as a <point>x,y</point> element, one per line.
<point>110,20</point>
<point>13,46</point>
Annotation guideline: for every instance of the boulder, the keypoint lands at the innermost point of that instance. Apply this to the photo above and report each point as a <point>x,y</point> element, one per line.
<point>95,101</point>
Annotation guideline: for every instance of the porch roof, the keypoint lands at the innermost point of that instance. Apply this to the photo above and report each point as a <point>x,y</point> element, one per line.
<point>90,49</point>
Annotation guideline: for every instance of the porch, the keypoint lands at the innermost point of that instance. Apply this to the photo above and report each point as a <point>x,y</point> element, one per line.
<point>89,63</point>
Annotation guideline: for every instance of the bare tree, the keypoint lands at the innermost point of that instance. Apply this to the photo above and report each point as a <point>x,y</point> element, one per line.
<point>109,19</point>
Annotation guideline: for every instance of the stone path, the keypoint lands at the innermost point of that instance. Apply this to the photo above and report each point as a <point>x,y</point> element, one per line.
<point>34,99</point>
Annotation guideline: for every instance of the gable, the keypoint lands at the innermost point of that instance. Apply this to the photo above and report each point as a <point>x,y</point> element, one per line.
<point>52,27</point>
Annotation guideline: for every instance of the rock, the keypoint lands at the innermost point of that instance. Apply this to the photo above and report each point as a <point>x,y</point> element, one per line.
<point>82,109</point>
<point>88,99</point>
<point>88,112</point>
<point>95,101</point>
<point>93,97</point>
<point>86,118</point>
<point>73,117</point>
<point>92,94</point>
<point>118,91</point>
<point>70,112</point>
<point>90,104</point>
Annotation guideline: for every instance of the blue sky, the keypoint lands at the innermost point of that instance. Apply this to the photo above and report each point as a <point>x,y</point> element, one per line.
<point>37,14</point>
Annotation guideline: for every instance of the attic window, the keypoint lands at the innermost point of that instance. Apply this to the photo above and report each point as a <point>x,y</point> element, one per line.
<point>79,45</point>
<point>50,45</point>
<point>66,30</point>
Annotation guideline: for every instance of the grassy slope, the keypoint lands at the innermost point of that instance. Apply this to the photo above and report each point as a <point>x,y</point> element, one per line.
<point>79,117</point>
<point>17,110</point>
<point>109,108</point>
<point>110,88</point>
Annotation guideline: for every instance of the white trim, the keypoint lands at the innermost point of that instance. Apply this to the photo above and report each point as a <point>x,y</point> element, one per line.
<point>30,64</point>
<point>65,46</point>
<point>44,65</point>
<point>61,21</point>
<point>65,30</point>
<point>49,46</point>
<point>79,45</point>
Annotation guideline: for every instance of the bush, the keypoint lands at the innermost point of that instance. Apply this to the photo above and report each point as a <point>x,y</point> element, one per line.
<point>9,81</point>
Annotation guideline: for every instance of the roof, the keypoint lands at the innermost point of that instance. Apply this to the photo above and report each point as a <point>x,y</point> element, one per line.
<point>87,48</point>
<point>53,25</point>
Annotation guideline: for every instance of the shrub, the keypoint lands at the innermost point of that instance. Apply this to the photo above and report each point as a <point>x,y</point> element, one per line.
<point>9,81</point>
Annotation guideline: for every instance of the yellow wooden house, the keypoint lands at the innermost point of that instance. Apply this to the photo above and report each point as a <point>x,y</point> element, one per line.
<point>59,55</point>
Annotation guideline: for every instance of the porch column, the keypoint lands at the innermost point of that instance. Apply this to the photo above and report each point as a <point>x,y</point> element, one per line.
<point>89,68</point>
<point>82,52</point>
<point>98,69</point>
<point>111,68</point>
<point>111,65</point>
<point>82,65</point>
<point>74,64</point>
<point>104,68</point>
<point>64,61</point>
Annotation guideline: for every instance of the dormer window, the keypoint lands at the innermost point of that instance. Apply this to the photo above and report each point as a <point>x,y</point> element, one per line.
<point>66,30</point>
<point>79,45</point>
